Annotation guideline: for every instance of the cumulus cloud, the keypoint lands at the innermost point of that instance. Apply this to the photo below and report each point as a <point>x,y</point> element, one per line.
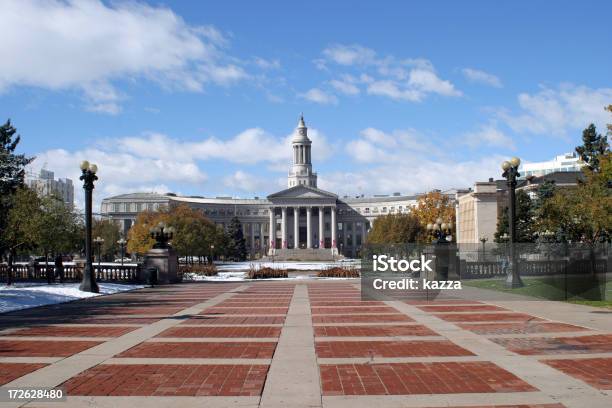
<point>145,162</point>
<point>557,111</point>
<point>89,45</point>
<point>241,180</point>
<point>481,77</point>
<point>319,96</point>
<point>376,146</point>
<point>411,176</point>
<point>488,135</point>
<point>400,79</point>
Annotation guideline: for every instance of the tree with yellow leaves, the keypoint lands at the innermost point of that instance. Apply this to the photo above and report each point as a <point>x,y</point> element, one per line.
<point>432,206</point>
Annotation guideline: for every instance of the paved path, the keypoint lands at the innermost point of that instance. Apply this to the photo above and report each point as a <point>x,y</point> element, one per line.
<point>307,344</point>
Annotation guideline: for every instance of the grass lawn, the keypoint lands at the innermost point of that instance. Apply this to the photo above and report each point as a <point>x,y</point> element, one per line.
<point>583,290</point>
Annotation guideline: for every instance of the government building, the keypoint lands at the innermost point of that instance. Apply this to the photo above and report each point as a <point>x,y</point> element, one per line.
<point>301,222</point>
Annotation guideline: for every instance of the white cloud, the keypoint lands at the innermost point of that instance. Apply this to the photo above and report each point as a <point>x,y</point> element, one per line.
<point>88,45</point>
<point>344,87</point>
<point>488,135</point>
<point>407,79</point>
<point>555,112</point>
<point>153,159</point>
<point>428,81</point>
<point>350,54</point>
<point>411,176</point>
<point>391,89</point>
<point>241,180</point>
<point>377,146</point>
<point>267,64</point>
<point>482,77</point>
<point>319,96</point>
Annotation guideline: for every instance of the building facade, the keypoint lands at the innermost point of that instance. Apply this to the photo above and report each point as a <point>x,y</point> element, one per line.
<point>45,184</point>
<point>300,222</point>
<point>568,162</point>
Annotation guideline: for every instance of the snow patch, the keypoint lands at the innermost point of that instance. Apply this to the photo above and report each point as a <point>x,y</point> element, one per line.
<point>24,295</point>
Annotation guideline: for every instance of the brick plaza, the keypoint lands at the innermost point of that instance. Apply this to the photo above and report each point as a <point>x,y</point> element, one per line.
<point>307,344</point>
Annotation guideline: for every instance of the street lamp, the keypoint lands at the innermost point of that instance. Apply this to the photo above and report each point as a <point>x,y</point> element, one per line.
<point>441,232</point>
<point>88,284</point>
<point>212,249</point>
<point>161,234</point>
<point>122,244</point>
<point>99,242</point>
<point>511,173</point>
<point>483,240</point>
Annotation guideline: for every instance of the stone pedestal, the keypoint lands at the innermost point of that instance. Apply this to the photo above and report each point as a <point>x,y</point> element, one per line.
<point>166,262</point>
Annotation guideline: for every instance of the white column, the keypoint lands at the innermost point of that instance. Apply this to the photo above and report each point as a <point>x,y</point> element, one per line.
<point>308,228</point>
<point>261,235</point>
<point>284,227</point>
<point>333,228</point>
<point>253,237</point>
<point>321,231</point>
<point>272,233</point>
<point>296,227</point>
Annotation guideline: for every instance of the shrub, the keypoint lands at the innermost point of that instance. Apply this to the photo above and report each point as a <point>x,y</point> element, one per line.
<point>266,273</point>
<point>338,272</point>
<point>202,270</point>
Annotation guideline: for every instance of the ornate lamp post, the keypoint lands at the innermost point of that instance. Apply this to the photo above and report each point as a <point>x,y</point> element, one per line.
<point>441,232</point>
<point>212,251</point>
<point>161,234</point>
<point>122,244</point>
<point>511,173</point>
<point>89,176</point>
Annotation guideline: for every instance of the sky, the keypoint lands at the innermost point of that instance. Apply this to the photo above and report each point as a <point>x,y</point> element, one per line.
<point>201,98</point>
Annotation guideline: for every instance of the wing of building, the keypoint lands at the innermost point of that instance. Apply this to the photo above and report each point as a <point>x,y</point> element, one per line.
<point>301,222</point>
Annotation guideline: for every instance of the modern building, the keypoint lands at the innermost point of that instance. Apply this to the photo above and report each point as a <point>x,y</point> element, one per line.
<point>478,209</point>
<point>300,222</point>
<point>568,162</point>
<point>45,184</point>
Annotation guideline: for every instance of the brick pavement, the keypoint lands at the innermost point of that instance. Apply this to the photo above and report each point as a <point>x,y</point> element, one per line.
<point>472,354</point>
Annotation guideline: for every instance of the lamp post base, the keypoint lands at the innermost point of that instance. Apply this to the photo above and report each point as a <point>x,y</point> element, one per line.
<point>513,281</point>
<point>89,284</point>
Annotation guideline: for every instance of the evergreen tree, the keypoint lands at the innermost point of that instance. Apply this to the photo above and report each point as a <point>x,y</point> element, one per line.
<point>236,247</point>
<point>524,220</point>
<point>12,172</point>
<point>396,229</point>
<point>594,145</point>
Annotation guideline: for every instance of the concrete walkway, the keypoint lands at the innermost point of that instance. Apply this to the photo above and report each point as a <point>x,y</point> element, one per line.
<point>307,344</point>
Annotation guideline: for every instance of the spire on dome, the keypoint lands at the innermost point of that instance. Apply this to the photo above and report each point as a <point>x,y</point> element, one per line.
<point>301,123</point>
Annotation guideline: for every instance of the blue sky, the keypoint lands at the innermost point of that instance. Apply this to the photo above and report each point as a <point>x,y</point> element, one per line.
<point>201,97</point>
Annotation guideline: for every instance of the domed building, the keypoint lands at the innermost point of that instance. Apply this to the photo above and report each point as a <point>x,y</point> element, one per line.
<point>301,222</point>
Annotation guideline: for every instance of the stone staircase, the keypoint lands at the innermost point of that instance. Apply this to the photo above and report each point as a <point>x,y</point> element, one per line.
<point>313,254</point>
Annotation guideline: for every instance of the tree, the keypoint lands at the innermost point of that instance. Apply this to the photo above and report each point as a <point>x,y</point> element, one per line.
<point>22,229</point>
<point>524,220</point>
<point>12,172</point>
<point>109,231</point>
<point>58,228</point>
<point>609,125</point>
<point>593,147</point>
<point>194,232</point>
<point>432,206</point>
<point>139,237</point>
<point>396,229</point>
<point>236,247</point>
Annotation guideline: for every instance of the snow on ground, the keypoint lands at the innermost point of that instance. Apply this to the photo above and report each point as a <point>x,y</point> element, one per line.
<point>298,266</point>
<point>24,295</point>
<point>237,271</point>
